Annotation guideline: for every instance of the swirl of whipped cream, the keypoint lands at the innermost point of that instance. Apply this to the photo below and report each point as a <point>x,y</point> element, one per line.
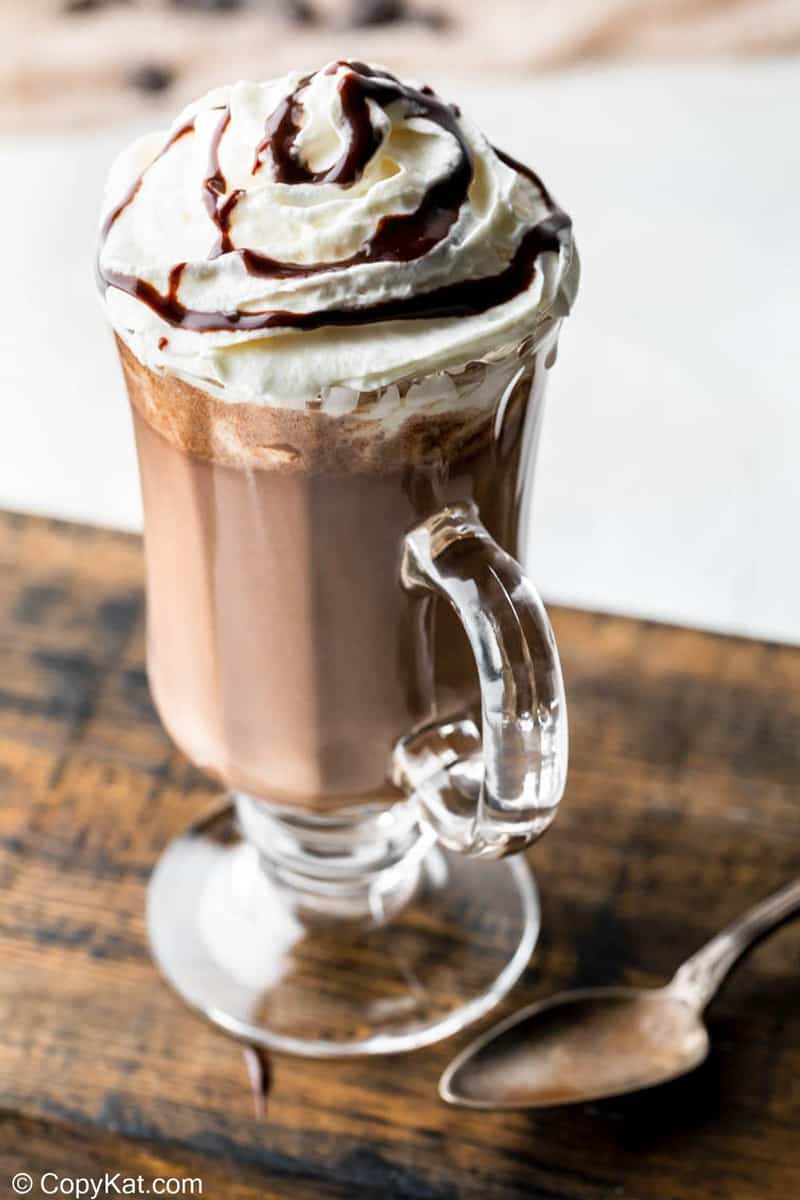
<point>340,228</point>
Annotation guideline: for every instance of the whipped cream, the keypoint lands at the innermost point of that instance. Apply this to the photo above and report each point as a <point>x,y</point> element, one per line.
<point>331,230</point>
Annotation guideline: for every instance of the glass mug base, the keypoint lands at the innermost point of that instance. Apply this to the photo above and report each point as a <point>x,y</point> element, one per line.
<point>385,961</point>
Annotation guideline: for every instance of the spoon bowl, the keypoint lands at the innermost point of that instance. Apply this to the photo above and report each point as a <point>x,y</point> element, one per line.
<point>579,1046</point>
<point>593,1043</point>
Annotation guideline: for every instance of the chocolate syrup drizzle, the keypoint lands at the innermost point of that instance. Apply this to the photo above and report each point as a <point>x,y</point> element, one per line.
<point>398,238</point>
<point>259,1073</point>
<point>133,190</point>
<point>215,186</point>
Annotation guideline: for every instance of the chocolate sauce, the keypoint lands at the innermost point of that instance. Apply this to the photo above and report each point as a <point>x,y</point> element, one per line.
<point>280,124</point>
<point>528,172</point>
<point>133,190</point>
<point>467,298</point>
<point>283,126</point>
<point>214,186</point>
<point>223,220</point>
<point>259,1072</point>
<point>398,237</point>
<point>362,83</point>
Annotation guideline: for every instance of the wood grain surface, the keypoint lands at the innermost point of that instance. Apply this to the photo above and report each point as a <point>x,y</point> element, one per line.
<point>681,809</point>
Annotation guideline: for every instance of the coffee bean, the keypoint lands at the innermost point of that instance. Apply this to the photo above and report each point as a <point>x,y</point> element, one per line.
<point>208,6</point>
<point>300,11</point>
<point>377,12</point>
<point>151,77</point>
<point>432,18</point>
<point>84,6</point>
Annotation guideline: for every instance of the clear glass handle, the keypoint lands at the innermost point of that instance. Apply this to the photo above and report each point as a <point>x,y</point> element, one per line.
<point>492,792</point>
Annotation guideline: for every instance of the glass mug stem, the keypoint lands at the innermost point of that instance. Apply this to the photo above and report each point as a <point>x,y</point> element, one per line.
<point>493,794</point>
<point>356,868</point>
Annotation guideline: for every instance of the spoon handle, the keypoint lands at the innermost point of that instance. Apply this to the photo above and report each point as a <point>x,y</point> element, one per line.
<point>698,980</point>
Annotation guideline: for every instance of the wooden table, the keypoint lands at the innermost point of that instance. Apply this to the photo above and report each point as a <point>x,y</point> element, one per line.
<point>682,808</point>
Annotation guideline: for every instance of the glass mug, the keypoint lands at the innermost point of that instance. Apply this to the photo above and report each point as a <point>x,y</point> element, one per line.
<point>338,633</point>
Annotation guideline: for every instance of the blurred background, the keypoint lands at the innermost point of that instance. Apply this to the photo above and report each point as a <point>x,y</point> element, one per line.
<point>669,476</point>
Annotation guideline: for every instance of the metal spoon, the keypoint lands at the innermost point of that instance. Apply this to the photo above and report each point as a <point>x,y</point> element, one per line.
<point>598,1042</point>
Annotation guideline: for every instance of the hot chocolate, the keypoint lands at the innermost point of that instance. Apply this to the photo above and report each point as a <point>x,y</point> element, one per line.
<point>283,656</point>
<point>333,301</point>
<point>335,304</point>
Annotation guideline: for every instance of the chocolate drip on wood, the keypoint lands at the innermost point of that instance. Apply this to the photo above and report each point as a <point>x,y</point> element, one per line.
<point>259,1074</point>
